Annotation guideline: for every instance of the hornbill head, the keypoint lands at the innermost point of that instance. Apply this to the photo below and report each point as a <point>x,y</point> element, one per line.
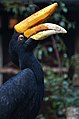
<point>29,31</point>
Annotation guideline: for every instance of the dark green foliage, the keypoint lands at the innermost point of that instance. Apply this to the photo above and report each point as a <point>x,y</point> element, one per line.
<point>62,92</point>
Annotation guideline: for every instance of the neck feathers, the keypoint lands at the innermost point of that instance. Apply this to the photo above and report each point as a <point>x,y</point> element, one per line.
<point>28,60</point>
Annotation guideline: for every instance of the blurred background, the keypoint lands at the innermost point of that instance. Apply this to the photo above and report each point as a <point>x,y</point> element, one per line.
<point>58,54</point>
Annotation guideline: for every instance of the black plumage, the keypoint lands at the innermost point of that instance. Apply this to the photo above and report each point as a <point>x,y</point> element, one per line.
<point>21,96</point>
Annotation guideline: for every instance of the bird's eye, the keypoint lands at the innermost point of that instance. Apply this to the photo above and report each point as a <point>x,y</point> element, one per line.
<point>20,38</point>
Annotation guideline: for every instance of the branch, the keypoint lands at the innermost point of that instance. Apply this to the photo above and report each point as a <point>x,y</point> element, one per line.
<point>9,70</point>
<point>55,70</point>
<point>57,55</point>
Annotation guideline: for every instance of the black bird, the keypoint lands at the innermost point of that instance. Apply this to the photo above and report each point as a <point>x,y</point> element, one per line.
<point>21,96</point>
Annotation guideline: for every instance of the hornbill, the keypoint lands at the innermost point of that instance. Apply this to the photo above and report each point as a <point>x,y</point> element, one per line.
<point>21,96</point>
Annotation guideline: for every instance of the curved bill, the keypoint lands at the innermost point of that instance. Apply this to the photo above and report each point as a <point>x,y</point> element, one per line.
<point>53,29</point>
<point>36,18</point>
<point>45,26</point>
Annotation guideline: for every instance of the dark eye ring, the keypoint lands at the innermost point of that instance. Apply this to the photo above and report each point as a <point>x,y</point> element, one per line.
<point>20,38</point>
